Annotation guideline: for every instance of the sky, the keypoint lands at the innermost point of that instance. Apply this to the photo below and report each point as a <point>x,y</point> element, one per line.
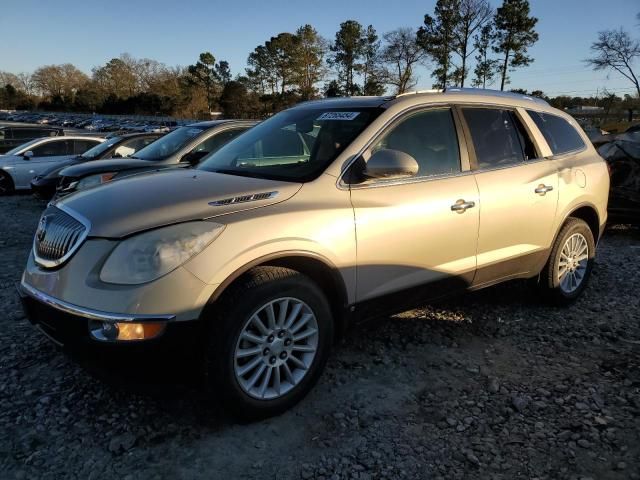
<point>88,33</point>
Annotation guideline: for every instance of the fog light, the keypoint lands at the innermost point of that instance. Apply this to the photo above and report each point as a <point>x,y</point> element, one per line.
<point>124,331</point>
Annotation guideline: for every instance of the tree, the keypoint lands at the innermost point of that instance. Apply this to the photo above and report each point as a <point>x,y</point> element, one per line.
<point>204,74</point>
<point>348,49</point>
<point>474,14</point>
<point>237,102</point>
<point>515,33</point>
<point>370,67</point>
<point>117,77</point>
<point>437,38</point>
<point>223,71</point>
<point>308,62</point>
<point>616,50</point>
<point>486,68</point>
<point>61,81</point>
<point>400,55</point>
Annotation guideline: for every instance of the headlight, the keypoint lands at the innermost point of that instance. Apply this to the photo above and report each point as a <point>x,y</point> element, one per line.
<point>150,255</point>
<point>93,180</point>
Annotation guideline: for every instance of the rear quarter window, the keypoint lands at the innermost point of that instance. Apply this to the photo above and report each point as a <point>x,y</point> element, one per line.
<point>561,136</point>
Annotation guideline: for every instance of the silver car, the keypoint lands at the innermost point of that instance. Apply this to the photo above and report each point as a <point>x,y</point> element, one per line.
<point>20,165</point>
<point>327,212</point>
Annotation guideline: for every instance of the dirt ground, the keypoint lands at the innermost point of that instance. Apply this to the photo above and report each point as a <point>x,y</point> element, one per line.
<point>492,385</point>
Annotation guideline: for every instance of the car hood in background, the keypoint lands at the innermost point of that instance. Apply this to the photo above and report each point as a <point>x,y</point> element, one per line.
<point>145,201</point>
<point>111,165</point>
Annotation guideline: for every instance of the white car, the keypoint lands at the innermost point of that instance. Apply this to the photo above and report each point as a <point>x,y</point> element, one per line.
<point>20,165</point>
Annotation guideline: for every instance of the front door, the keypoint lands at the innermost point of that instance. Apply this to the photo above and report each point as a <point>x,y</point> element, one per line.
<point>44,155</point>
<point>412,232</point>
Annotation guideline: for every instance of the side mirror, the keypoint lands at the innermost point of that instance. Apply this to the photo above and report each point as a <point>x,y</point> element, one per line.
<point>390,164</point>
<point>193,158</point>
<point>27,155</point>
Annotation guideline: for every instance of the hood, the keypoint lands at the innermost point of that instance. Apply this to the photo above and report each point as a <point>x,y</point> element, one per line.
<point>103,166</point>
<point>58,166</point>
<point>145,201</point>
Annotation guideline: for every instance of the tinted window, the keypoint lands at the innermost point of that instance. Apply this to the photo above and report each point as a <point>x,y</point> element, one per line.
<point>496,139</point>
<point>81,146</point>
<point>558,133</point>
<point>169,144</point>
<point>429,137</point>
<point>212,144</point>
<point>27,133</point>
<point>51,149</point>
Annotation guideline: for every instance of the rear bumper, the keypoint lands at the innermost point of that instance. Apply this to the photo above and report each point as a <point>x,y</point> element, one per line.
<point>67,325</point>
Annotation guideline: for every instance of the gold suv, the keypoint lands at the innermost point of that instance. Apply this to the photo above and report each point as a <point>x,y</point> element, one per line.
<point>331,210</point>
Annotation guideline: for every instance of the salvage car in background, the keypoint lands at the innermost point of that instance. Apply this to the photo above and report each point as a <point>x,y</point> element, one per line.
<point>20,165</point>
<point>121,146</point>
<point>183,147</point>
<point>12,137</point>
<point>327,212</point>
<point>622,154</point>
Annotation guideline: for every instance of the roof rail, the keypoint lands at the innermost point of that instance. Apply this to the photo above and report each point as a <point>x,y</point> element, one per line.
<point>416,92</point>
<point>495,93</point>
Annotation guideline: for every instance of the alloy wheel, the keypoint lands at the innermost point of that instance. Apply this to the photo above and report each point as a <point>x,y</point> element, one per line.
<point>573,262</point>
<point>276,348</point>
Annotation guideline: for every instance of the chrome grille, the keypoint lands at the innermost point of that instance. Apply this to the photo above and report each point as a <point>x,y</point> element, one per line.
<point>58,236</point>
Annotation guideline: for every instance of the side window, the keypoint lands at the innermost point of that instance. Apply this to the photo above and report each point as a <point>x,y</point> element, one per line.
<point>498,139</point>
<point>128,148</point>
<point>20,133</point>
<point>558,133</point>
<point>52,149</point>
<point>429,137</point>
<point>81,146</point>
<point>212,144</point>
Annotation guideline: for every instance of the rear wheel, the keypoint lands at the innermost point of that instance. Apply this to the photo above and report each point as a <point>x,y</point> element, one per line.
<point>569,266</point>
<point>6,184</point>
<point>269,342</point>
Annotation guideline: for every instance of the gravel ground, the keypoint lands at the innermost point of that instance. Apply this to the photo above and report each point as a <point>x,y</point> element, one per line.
<point>491,385</point>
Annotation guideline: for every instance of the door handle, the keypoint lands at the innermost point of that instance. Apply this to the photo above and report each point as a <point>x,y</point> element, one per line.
<point>461,206</point>
<point>543,189</point>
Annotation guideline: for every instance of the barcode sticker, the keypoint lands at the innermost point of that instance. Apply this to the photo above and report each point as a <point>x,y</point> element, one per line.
<point>338,116</point>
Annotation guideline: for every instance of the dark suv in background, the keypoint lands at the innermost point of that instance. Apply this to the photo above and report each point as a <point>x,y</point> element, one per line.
<point>183,147</point>
<point>120,146</point>
<point>11,137</point>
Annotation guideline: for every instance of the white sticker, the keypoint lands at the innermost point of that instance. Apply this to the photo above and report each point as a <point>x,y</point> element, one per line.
<point>338,116</point>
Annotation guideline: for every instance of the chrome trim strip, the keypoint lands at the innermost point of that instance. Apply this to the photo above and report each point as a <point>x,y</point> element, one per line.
<point>87,312</point>
<point>87,227</point>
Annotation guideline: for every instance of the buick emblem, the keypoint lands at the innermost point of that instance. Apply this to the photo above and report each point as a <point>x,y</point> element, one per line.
<point>41,232</point>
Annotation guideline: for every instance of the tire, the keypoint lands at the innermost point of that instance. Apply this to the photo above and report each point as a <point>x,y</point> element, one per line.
<point>6,184</point>
<point>576,239</point>
<point>234,332</point>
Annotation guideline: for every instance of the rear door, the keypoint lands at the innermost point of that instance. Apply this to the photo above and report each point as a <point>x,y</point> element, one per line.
<point>411,237</point>
<point>518,194</point>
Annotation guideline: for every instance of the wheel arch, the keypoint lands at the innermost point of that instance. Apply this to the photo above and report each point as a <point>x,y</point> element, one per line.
<point>589,214</point>
<point>318,268</point>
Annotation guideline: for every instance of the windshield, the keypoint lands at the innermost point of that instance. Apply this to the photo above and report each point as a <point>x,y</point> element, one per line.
<point>99,149</point>
<point>294,145</point>
<point>22,146</point>
<point>169,144</point>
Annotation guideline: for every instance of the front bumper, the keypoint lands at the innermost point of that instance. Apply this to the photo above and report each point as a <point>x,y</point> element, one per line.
<point>43,188</point>
<point>68,325</point>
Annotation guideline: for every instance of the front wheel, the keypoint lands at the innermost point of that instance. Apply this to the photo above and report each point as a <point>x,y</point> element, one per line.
<point>569,266</point>
<point>6,184</point>
<point>269,343</point>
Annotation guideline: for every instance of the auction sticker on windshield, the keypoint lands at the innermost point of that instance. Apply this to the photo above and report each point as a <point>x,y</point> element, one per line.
<point>338,116</point>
